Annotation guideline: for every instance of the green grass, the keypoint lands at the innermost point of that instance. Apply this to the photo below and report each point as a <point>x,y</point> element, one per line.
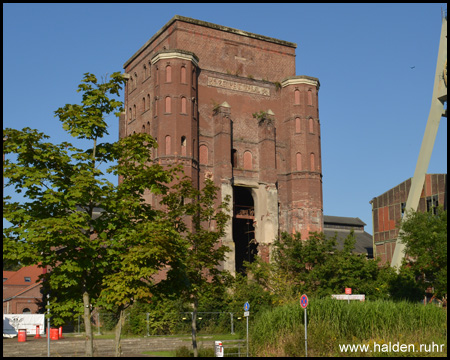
<point>167,353</point>
<point>280,332</point>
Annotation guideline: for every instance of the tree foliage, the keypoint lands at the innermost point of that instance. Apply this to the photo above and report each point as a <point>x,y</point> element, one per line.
<point>425,237</point>
<point>200,220</point>
<point>97,257</point>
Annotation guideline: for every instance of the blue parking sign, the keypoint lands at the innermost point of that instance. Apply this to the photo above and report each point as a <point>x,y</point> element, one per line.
<point>246,306</point>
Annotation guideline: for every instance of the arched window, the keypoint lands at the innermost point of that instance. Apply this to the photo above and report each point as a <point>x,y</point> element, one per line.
<point>134,111</point>
<point>310,97</point>
<point>311,125</point>
<point>168,73</point>
<point>145,72</point>
<point>183,75</point>
<point>168,104</point>
<point>299,161</point>
<point>183,146</point>
<point>203,154</point>
<point>135,80</point>
<point>148,127</point>
<point>234,158</point>
<point>313,165</point>
<point>26,311</point>
<point>248,160</point>
<point>148,101</point>
<point>183,105</point>
<point>157,75</point>
<point>143,105</point>
<point>143,129</point>
<point>130,115</point>
<point>131,84</point>
<point>296,97</point>
<point>297,125</point>
<point>168,145</point>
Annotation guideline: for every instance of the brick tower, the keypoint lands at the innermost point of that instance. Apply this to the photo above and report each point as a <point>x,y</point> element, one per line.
<point>227,104</point>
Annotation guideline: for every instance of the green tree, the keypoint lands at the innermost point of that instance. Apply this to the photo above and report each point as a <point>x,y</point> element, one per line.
<point>59,226</point>
<point>201,223</point>
<point>425,237</point>
<point>315,265</point>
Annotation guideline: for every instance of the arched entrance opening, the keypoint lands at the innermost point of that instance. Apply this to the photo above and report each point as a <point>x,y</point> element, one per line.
<point>246,248</point>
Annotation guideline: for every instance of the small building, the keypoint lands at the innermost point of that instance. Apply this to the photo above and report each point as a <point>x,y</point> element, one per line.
<point>388,209</point>
<point>22,290</point>
<point>341,226</point>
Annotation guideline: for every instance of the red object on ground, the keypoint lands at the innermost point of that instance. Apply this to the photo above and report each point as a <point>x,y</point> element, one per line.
<point>38,336</point>
<point>22,336</point>
<point>54,334</point>
<point>60,333</point>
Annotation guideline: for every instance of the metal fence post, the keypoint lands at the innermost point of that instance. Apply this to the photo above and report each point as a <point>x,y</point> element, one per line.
<point>148,334</point>
<point>232,328</point>
<point>98,323</point>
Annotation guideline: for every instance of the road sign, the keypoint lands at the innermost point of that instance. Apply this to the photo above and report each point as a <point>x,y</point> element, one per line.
<point>348,291</point>
<point>246,306</point>
<point>246,313</point>
<point>304,301</point>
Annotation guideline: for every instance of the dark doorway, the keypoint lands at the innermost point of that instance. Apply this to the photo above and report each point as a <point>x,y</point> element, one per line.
<point>243,229</point>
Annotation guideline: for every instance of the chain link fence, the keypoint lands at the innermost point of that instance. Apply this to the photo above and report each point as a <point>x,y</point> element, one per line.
<point>147,324</point>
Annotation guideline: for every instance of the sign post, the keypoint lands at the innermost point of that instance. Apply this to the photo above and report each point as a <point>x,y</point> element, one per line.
<point>304,304</point>
<point>247,314</point>
<point>348,291</point>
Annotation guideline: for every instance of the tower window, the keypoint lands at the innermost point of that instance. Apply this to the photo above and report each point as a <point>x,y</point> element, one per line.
<point>297,97</point>
<point>183,145</point>
<point>168,145</point>
<point>313,165</point>
<point>183,105</point>
<point>183,74</point>
<point>248,160</point>
<point>297,125</point>
<point>203,154</point>
<point>299,161</point>
<point>168,104</point>
<point>168,73</point>
<point>310,97</point>
<point>234,158</point>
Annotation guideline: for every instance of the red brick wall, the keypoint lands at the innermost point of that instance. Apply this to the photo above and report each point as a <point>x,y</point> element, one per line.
<point>387,211</point>
<point>245,71</point>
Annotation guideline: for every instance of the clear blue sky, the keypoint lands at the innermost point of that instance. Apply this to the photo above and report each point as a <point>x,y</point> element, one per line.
<point>373,107</point>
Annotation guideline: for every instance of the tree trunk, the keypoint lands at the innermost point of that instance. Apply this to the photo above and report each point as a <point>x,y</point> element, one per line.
<point>194,327</point>
<point>87,325</point>
<point>117,344</point>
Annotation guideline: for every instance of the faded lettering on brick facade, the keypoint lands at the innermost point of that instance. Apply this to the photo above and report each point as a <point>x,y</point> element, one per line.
<point>233,85</point>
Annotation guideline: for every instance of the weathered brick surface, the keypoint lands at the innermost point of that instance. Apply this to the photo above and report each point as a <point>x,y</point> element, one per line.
<point>210,66</point>
<point>387,211</point>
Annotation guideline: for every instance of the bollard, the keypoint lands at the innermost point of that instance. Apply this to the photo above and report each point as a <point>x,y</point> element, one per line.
<point>38,336</point>
<point>22,336</point>
<point>60,333</point>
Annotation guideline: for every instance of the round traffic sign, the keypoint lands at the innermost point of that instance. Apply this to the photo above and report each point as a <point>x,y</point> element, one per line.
<point>246,306</point>
<point>304,301</point>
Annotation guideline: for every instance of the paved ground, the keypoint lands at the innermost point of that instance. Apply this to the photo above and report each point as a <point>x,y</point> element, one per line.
<point>74,346</point>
